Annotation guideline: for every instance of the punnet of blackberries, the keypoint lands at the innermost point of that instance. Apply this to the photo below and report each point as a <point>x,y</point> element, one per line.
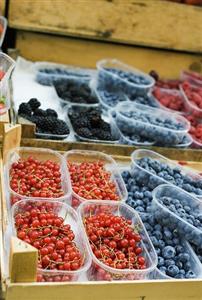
<point>47,121</point>
<point>88,123</point>
<point>75,90</point>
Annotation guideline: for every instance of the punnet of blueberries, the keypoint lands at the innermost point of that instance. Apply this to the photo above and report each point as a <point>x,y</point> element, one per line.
<point>46,76</point>
<point>46,121</point>
<point>74,90</point>
<point>180,210</point>
<point>114,74</point>
<point>153,124</point>
<point>88,124</point>
<point>155,172</point>
<point>175,258</point>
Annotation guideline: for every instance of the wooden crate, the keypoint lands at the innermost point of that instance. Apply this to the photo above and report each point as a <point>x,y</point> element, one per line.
<point>140,290</point>
<point>3,120</point>
<point>154,23</point>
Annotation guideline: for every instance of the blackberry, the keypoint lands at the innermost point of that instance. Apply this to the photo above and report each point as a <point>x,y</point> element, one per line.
<point>51,113</point>
<point>40,112</point>
<point>25,109</point>
<point>61,127</point>
<point>34,103</point>
<point>85,132</point>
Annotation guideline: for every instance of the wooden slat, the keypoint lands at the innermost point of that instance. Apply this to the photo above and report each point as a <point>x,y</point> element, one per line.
<point>118,150</point>
<point>154,23</point>
<point>139,290</point>
<point>2,7</point>
<point>3,119</point>
<point>85,53</point>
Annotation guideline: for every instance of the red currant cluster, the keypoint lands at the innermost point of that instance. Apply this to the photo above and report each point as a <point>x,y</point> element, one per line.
<point>193,93</point>
<point>38,225</point>
<point>92,181</point>
<point>115,242</point>
<point>33,178</point>
<point>169,99</point>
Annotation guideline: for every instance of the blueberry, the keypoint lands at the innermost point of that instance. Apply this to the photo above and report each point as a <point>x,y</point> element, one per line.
<point>168,252</point>
<point>169,262</point>
<point>190,274</point>
<point>172,270</point>
<point>160,261</point>
<point>184,257</point>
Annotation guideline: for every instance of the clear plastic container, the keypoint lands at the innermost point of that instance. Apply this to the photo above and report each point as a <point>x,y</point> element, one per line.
<point>193,260</point>
<point>125,139</point>
<point>103,93</point>
<point>7,64</point>
<point>70,217</point>
<point>41,154</point>
<point>98,269</point>
<point>79,83</point>
<point>48,72</point>
<point>174,221</point>
<point>48,136</point>
<point>169,92</point>
<point>192,77</point>
<point>109,79</point>
<point>151,131</point>
<point>114,133</point>
<point>190,107</point>
<point>146,176</point>
<point>195,265</point>
<point>186,142</point>
<point>79,156</point>
<point>3,24</point>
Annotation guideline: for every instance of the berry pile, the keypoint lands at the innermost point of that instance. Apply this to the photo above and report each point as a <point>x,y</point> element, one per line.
<point>193,93</point>
<point>75,91</point>
<point>46,121</point>
<point>183,210</point>
<point>153,119</point>
<point>90,180</point>
<point>163,171</point>
<point>115,242</point>
<point>110,98</point>
<point>152,125</point>
<point>37,224</point>
<point>88,123</point>
<point>192,77</point>
<point>34,178</point>
<point>129,76</point>
<point>174,259</point>
<point>139,194</point>
<point>144,99</point>
<point>171,99</point>
<point>196,129</point>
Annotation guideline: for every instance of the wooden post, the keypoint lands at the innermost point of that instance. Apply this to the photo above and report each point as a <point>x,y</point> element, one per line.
<point>23,261</point>
<point>11,138</point>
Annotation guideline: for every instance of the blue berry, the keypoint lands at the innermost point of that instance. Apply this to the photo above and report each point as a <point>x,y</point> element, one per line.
<point>172,270</point>
<point>168,252</point>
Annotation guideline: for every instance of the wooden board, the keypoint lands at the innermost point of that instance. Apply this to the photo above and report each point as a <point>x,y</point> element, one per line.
<point>116,150</point>
<point>3,119</point>
<point>153,23</point>
<point>2,7</point>
<point>139,290</point>
<point>85,53</point>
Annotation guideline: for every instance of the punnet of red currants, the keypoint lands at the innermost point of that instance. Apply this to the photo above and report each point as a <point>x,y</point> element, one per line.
<point>117,241</point>
<point>91,180</point>
<point>40,224</point>
<point>37,173</point>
